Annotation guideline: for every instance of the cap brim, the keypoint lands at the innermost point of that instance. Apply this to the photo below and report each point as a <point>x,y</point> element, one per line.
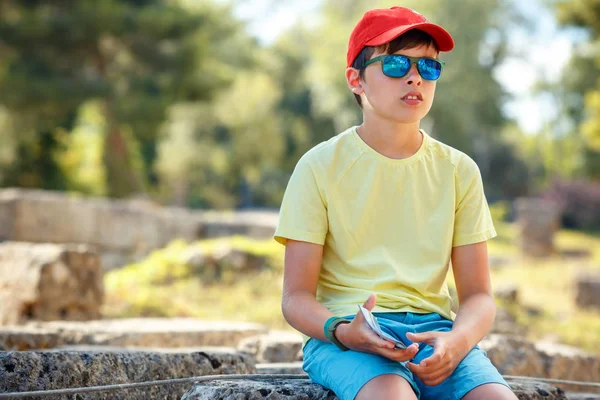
<point>442,38</point>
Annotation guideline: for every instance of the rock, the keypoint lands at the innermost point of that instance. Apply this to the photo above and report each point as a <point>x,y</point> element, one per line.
<point>517,357</point>
<point>256,224</point>
<point>49,282</point>
<point>507,293</point>
<point>137,332</point>
<point>580,253</point>
<point>513,356</point>
<point>588,291</point>
<point>17,338</point>
<point>280,368</point>
<point>296,389</point>
<point>570,363</point>
<point>506,324</point>
<point>276,389</point>
<point>537,220</point>
<point>275,347</point>
<point>532,390</point>
<point>583,396</point>
<point>44,370</point>
<point>498,262</point>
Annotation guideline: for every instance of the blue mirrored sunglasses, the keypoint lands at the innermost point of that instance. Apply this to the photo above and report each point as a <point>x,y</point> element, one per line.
<point>397,66</point>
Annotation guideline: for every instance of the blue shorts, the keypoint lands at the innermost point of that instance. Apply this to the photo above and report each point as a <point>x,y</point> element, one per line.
<point>346,372</point>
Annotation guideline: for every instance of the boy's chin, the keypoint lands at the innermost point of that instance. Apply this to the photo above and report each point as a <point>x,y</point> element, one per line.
<point>404,118</point>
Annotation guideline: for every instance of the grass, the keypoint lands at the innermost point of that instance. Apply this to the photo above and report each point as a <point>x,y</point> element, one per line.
<point>548,285</point>
<point>164,285</point>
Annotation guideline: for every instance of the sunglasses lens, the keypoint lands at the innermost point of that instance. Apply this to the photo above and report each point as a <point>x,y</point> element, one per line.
<point>396,66</point>
<point>429,69</point>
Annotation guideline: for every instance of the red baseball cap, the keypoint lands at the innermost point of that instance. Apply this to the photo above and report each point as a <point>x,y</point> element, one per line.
<point>381,26</point>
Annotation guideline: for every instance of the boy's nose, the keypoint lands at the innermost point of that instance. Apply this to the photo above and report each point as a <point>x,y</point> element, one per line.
<point>413,77</point>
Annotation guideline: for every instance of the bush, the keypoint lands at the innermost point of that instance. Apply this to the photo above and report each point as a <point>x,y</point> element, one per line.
<point>579,202</point>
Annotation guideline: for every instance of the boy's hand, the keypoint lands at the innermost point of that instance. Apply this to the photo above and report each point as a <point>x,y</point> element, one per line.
<point>447,354</point>
<point>358,336</point>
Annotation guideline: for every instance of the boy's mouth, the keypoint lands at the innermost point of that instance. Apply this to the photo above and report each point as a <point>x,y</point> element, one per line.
<point>413,96</point>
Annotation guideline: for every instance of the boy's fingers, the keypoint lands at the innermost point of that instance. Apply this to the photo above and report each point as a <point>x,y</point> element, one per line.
<point>370,302</point>
<point>407,353</point>
<point>383,343</point>
<point>421,337</point>
<point>433,359</point>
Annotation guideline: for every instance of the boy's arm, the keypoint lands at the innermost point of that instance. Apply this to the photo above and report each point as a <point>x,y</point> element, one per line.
<point>473,320</point>
<point>301,273</point>
<point>477,309</point>
<point>302,310</point>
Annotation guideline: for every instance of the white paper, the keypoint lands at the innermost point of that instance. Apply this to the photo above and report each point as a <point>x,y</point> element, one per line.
<point>372,321</point>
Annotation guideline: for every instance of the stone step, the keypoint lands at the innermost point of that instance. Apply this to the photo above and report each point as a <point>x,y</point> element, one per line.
<point>511,355</point>
<point>53,369</point>
<point>304,389</point>
<point>296,369</point>
<point>280,368</point>
<point>518,357</point>
<point>137,332</point>
<point>274,347</point>
<point>583,396</point>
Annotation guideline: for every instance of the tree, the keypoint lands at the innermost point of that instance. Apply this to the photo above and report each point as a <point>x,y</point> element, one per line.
<point>581,83</point>
<point>138,57</point>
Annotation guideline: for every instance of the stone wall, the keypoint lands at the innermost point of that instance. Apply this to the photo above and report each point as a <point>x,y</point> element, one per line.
<point>120,231</point>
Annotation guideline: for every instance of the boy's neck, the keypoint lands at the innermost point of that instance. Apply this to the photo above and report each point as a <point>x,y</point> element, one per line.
<point>393,140</point>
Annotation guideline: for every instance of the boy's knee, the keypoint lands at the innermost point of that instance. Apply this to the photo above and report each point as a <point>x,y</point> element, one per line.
<point>387,387</point>
<point>490,391</point>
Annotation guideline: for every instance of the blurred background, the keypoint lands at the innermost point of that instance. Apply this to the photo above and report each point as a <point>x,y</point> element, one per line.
<point>203,107</point>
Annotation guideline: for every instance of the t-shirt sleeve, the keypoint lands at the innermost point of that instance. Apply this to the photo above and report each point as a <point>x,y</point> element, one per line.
<point>472,219</point>
<point>303,212</point>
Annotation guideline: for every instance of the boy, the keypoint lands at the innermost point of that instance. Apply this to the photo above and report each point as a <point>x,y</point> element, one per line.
<point>377,213</point>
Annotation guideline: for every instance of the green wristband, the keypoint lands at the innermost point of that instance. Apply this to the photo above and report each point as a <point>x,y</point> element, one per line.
<point>329,329</point>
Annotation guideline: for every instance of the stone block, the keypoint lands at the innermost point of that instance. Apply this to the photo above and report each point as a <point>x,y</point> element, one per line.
<point>53,217</point>
<point>280,368</point>
<point>588,291</point>
<point>46,370</point>
<point>518,357</point>
<point>8,204</point>
<point>137,332</point>
<point>537,221</point>
<point>275,347</point>
<point>304,389</point>
<point>49,282</point>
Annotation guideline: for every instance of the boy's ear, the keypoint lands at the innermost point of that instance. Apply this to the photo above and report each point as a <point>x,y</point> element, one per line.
<point>353,80</point>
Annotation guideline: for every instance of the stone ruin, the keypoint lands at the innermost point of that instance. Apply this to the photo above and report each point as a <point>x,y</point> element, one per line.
<point>120,231</point>
<point>537,221</point>
<point>49,282</point>
<point>588,291</point>
<point>78,354</point>
<point>42,282</point>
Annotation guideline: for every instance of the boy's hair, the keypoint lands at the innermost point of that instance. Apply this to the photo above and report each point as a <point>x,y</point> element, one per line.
<point>409,40</point>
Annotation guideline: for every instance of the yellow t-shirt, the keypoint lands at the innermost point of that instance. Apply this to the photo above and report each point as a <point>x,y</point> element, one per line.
<point>387,225</point>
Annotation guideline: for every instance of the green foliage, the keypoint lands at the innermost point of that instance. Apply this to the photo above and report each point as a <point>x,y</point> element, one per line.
<point>138,57</point>
<point>192,111</point>
<point>581,83</point>
<point>81,151</point>
<point>165,285</point>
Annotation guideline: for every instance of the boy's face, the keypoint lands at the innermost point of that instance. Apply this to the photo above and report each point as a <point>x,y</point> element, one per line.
<point>386,97</point>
